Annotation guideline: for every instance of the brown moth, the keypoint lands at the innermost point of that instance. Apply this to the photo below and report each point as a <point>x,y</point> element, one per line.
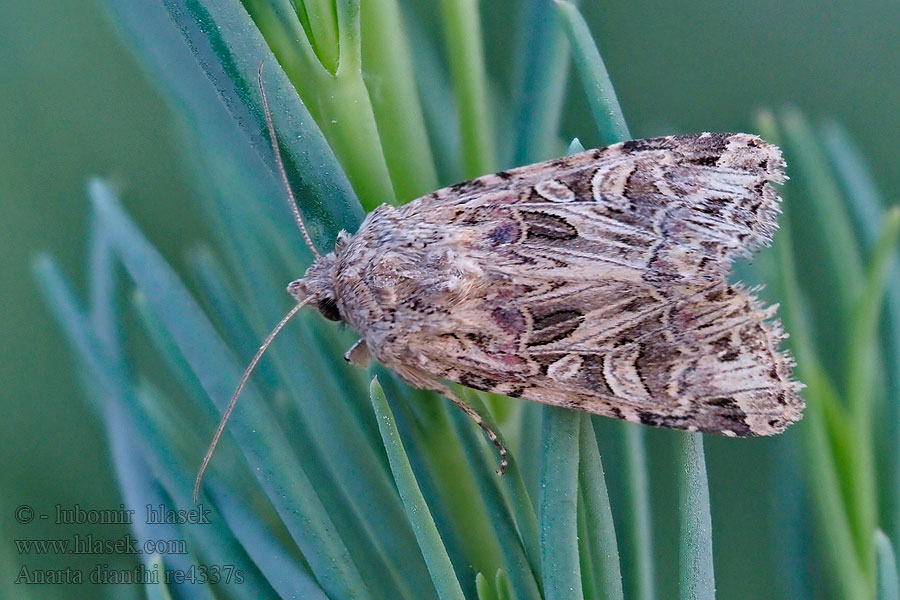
<point>596,282</point>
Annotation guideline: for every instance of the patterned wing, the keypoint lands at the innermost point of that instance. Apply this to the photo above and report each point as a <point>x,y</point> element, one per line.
<point>598,282</point>
<point>697,201</point>
<point>706,362</point>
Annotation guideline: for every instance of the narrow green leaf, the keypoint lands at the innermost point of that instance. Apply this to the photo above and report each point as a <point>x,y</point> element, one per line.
<point>793,315</point>
<point>528,454</point>
<point>515,560</point>
<point>540,83</point>
<point>207,63</point>
<point>349,34</point>
<point>604,548</point>
<point>104,306</point>
<point>516,492</point>
<point>462,30</point>
<point>321,26</point>
<point>598,87</point>
<point>430,543</point>
<point>501,582</point>
<point>177,366</point>
<point>71,317</point>
<point>282,571</point>
<point>130,422</point>
<point>867,206</point>
<point>443,476</point>
<point>586,561</point>
<point>557,504</point>
<point>639,515</point>
<point>823,406</point>
<point>575,146</point>
<point>864,199</point>
<point>696,576</point>
<point>833,519</point>
<point>314,50</point>
<point>211,276</point>
<point>888,584</point>
<point>483,587</point>
<point>841,250</point>
<point>388,73</point>
<point>438,104</point>
<point>864,326</point>
<point>862,358</point>
<point>286,485</point>
<point>157,590</point>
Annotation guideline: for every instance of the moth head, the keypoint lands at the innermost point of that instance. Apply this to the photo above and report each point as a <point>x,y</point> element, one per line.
<point>317,287</point>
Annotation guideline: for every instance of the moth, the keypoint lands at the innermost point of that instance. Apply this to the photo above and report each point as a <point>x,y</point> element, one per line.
<point>596,282</point>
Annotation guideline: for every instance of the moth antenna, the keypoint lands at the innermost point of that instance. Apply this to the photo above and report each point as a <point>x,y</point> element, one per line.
<point>284,179</point>
<point>227,414</point>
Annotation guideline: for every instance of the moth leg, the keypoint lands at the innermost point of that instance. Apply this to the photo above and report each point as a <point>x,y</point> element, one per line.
<point>358,354</point>
<point>445,390</point>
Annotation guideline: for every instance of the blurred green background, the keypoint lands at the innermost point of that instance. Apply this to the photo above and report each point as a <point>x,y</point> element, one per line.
<point>75,102</point>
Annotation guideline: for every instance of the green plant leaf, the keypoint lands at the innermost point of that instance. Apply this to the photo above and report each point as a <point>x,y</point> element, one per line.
<point>520,500</point>
<point>462,30</point>
<point>281,570</point>
<point>430,543</point>
<point>639,513</point>
<point>504,592</point>
<point>274,462</point>
<point>515,559</point>
<point>841,251</point>
<point>863,337</point>
<point>389,76</point>
<point>888,584</point>
<point>862,360</point>
<point>224,305</point>
<point>696,577</point>
<point>867,207</point>
<point>557,504</point>
<point>438,103</point>
<point>540,83</point>
<point>601,532</point>
<point>206,56</point>
<point>595,80</point>
<point>483,587</point>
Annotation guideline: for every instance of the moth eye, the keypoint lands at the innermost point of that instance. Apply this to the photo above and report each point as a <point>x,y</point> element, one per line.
<point>329,309</point>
